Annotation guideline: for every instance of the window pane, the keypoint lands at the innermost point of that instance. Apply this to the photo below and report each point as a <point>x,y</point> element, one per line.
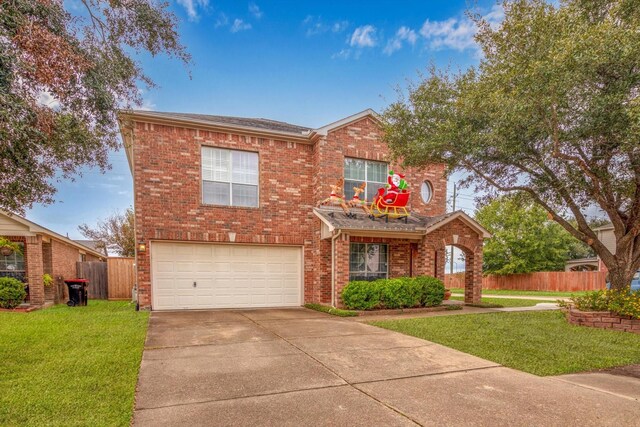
<point>376,171</point>
<point>357,257</point>
<point>354,169</point>
<point>348,188</point>
<point>245,195</point>
<point>13,262</point>
<point>372,190</point>
<point>244,167</point>
<point>221,161</point>
<point>215,193</point>
<point>207,164</point>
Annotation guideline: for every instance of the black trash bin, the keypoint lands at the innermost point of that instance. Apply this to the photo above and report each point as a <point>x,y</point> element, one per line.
<point>77,292</point>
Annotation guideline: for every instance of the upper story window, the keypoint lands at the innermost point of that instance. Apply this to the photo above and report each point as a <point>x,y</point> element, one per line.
<point>229,177</point>
<point>357,171</point>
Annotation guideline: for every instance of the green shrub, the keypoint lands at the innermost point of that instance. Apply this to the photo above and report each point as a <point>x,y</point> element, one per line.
<point>432,290</point>
<point>401,293</point>
<point>624,302</point>
<point>12,292</point>
<point>362,295</point>
<point>404,292</point>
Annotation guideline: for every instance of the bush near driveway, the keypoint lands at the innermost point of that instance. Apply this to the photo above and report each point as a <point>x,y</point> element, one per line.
<point>541,343</point>
<point>12,292</point>
<point>404,292</point>
<point>70,366</point>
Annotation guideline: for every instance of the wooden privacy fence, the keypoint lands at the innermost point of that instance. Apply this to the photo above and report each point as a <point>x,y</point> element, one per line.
<point>121,277</point>
<point>555,281</point>
<point>108,280</point>
<point>96,273</point>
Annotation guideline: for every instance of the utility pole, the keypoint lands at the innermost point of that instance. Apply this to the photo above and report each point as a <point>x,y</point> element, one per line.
<point>453,210</point>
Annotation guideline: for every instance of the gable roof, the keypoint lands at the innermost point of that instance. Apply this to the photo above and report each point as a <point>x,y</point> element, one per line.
<point>33,229</point>
<point>415,224</point>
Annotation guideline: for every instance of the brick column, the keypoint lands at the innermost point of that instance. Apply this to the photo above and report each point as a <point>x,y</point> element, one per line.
<point>35,270</point>
<point>473,276</point>
<point>341,266</point>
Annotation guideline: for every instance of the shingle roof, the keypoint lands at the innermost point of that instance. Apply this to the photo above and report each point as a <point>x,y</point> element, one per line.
<point>338,219</point>
<point>91,244</point>
<point>255,123</point>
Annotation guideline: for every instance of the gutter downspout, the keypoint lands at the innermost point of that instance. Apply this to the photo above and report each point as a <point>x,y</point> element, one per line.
<point>333,267</point>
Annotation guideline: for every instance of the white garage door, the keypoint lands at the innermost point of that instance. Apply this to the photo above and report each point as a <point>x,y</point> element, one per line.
<point>187,275</point>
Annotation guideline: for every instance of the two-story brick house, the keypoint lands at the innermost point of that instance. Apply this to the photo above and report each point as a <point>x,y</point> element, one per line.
<point>227,216</point>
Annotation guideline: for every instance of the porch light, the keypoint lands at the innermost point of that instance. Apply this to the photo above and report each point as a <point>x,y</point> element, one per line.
<point>142,247</point>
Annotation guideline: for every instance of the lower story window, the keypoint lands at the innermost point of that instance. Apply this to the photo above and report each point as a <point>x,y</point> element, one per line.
<point>368,261</point>
<point>13,265</point>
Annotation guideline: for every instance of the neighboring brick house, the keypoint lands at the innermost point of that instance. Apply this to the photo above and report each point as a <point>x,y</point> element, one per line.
<point>43,251</point>
<point>226,214</point>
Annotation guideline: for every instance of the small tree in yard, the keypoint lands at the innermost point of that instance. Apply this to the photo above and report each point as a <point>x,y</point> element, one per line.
<point>65,70</point>
<point>523,239</point>
<point>116,233</point>
<point>552,111</point>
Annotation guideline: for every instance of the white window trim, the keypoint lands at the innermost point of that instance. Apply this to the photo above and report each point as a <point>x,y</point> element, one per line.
<point>366,245</point>
<point>366,177</point>
<point>230,181</point>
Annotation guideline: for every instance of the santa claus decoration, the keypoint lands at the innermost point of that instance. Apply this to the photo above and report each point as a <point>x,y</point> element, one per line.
<point>395,184</point>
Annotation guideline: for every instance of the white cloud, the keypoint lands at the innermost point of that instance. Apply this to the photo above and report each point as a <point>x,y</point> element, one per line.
<point>364,36</point>
<point>404,34</point>
<point>240,25</point>
<point>221,21</point>
<point>147,105</point>
<point>343,54</point>
<point>255,10</point>
<point>457,33</point>
<point>315,25</point>
<point>192,7</point>
<point>339,26</point>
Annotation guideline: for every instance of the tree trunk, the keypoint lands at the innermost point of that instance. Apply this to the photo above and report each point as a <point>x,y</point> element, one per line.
<point>621,268</point>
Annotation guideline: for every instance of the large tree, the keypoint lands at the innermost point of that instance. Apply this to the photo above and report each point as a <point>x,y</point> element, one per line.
<point>552,111</point>
<point>115,234</point>
<point>523,238</point>
<point>63,77</point>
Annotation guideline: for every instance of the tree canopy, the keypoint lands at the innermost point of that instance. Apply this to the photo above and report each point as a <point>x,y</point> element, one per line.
<point>551,111</point>
<point>523,238</point>
<point>115,234</point>
<point>63,77</point>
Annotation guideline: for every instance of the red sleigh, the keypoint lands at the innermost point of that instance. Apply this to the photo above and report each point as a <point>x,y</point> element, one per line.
<point>393,207</point>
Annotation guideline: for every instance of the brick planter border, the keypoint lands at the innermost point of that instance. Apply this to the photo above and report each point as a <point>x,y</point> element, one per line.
<point>603,320</point>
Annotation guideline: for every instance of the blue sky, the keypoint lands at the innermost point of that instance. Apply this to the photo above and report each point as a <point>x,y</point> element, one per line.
<point>307,63</point>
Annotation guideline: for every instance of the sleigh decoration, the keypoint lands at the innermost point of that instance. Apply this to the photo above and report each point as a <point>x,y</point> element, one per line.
<point>392,203</point>
<point>389,202</point>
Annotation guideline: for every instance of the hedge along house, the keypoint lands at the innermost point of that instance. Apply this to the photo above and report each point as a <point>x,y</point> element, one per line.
<point>227,213</point>
<point>43,252</point>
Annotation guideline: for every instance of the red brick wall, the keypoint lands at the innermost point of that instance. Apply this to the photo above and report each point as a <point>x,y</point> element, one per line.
<point>34,267</point>
<point>293,178</point>
<point>604,320</point>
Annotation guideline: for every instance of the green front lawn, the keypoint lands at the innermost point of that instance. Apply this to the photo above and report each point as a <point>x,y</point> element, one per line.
<point>70,366</point>
<point>523,293</point>
<point>506,302</point>
<point>542,343</point>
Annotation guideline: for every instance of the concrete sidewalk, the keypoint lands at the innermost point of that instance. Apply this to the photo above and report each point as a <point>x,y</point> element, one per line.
<point>300,367</point>
<point>527,297</point>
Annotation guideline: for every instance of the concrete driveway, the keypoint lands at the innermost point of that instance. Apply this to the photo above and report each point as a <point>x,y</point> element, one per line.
<point>300,367</point>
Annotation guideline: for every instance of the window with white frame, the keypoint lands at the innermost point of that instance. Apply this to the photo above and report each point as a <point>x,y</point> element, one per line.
<point>357,171</point>
<point>368,261</point>
<point>229,177</point>
<point>13,265</point>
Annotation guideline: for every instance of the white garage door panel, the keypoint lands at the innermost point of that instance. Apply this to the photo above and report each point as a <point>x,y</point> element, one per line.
<point>226,276</point>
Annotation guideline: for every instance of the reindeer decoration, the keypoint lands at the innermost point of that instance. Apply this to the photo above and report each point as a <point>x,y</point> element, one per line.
<point>337,197</point>
<point>357,202</point>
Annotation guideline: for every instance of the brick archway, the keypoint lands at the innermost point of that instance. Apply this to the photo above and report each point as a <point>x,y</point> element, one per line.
<point>461,235</point>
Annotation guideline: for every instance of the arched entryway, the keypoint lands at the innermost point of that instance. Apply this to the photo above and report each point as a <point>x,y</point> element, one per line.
<point>464,233</point>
